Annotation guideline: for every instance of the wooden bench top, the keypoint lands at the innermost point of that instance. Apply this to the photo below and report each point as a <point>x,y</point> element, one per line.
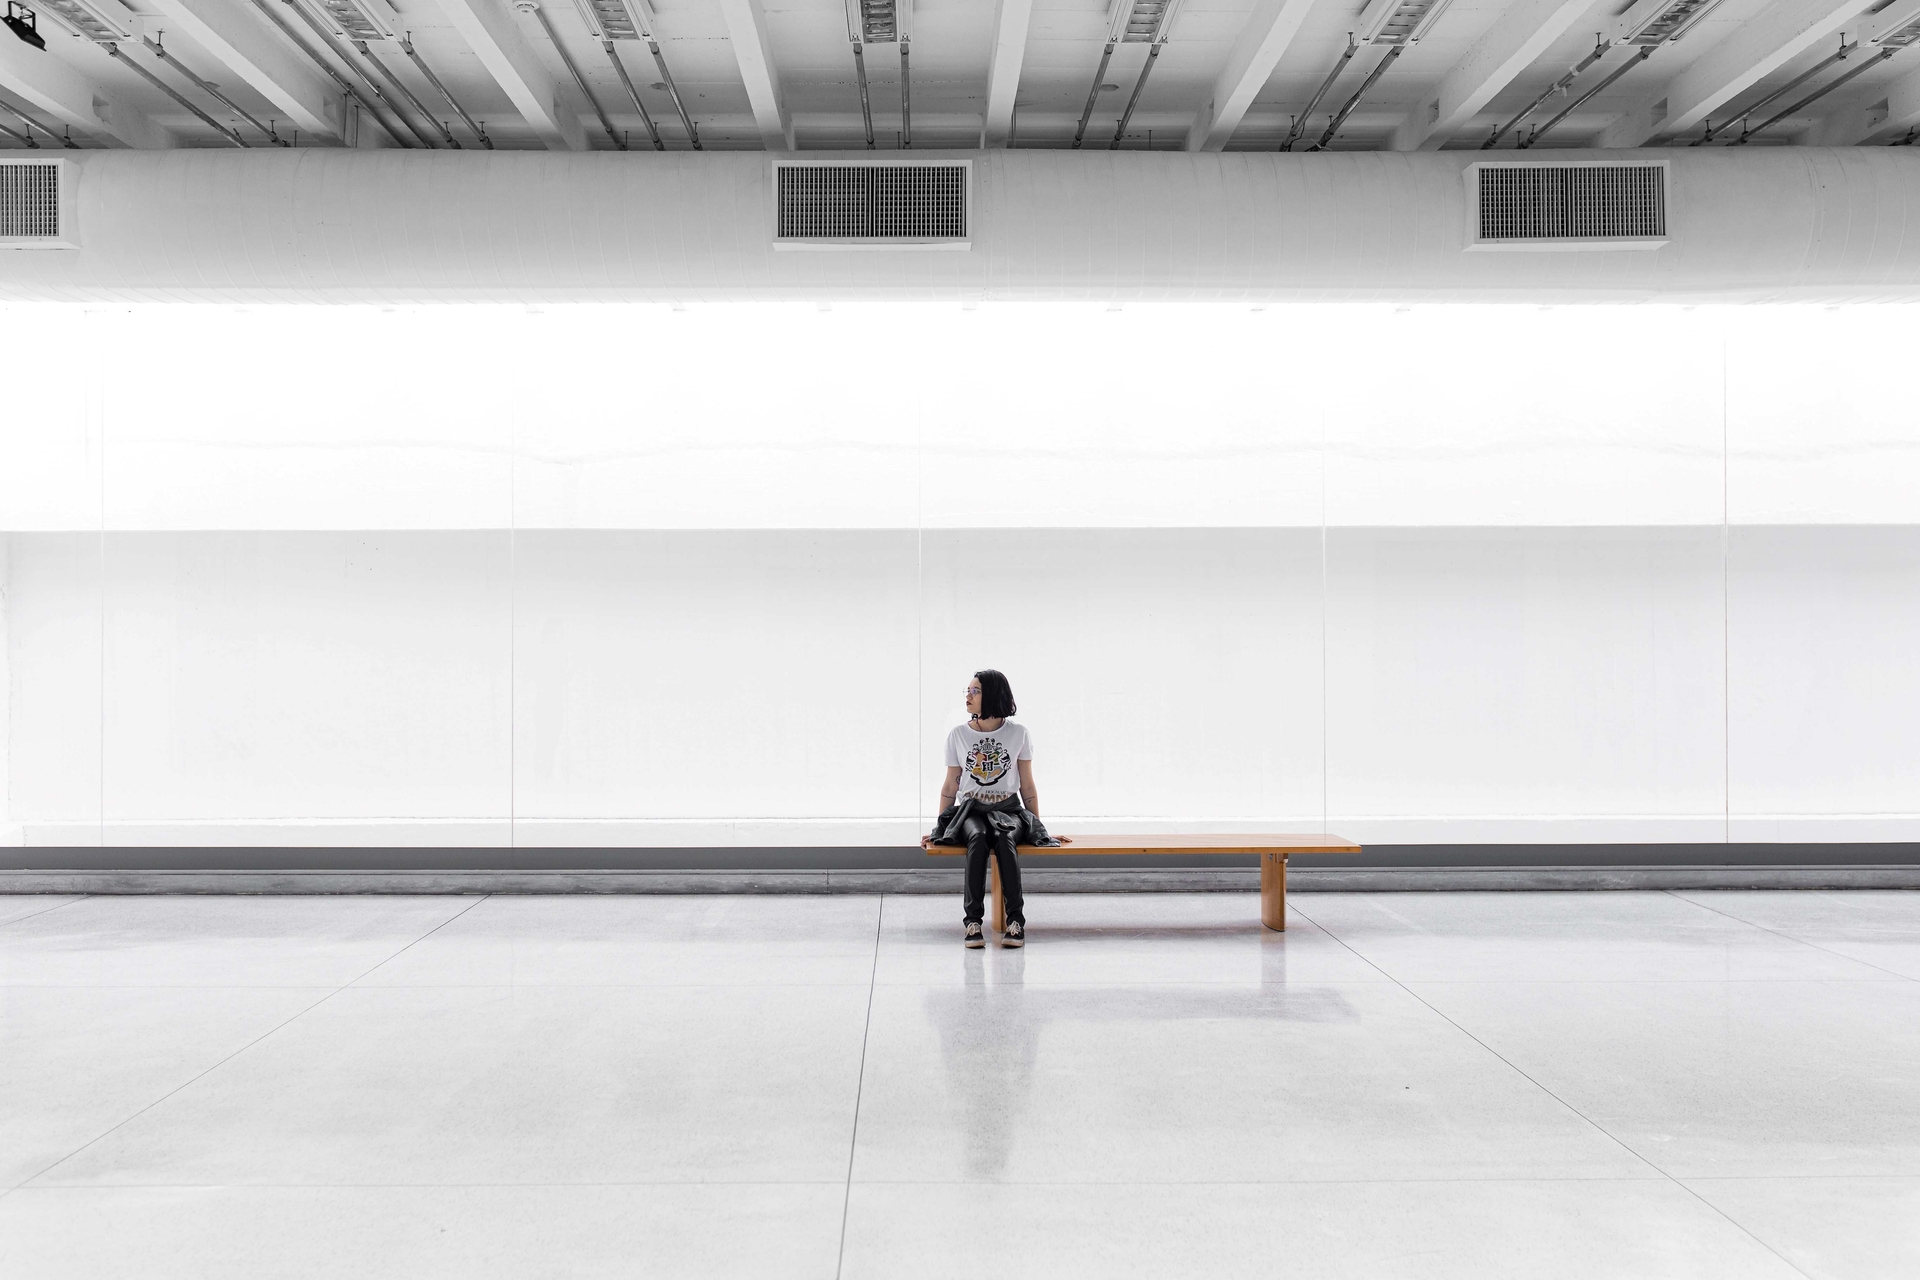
<point>1125,844</point>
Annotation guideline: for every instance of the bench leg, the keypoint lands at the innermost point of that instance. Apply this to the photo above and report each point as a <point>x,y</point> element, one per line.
<point>997,901</point>
<point>1273,890</point>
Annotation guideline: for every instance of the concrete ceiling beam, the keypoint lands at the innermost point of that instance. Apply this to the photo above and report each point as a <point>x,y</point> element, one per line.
<point>1270,28</point>
<point>747,29</point>
<point>43,80</point>
<point>502,48</point>
<point>246,47</point>
<point>1003,73</point>
<point>1514,42</point>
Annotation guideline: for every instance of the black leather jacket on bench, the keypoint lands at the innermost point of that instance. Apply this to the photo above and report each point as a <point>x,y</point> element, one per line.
<point>1024,825</point>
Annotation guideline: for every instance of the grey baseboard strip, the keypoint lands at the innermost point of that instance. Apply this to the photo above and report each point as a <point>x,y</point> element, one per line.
<point>947,880</point>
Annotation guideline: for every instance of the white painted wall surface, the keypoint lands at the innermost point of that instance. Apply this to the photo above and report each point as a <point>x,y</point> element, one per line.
<point>1824,652</point>
<point>593,575</point>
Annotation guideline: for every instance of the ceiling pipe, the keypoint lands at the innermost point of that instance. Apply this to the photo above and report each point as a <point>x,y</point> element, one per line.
<point>1641,54</point>
<point>1153,54</point>
<point>673,91</point>
<point>1300,121</point>
<point>906,100</point>
<point>646,117</point>
<point>231,135</point>
<point>395,82</point>
<point>573,69</point>
<point>1558,86</point>
<point>1346,109</point>
<point>1815,96</point>
<point>1709,133</point>
<point>161,53</point>
<point>31,124</point>
<point>866,105</point>
<point>406,45</point>
<point>24,139</point>
<point>1099,75</point>
<point>347,61</point>
<point>313,56</point>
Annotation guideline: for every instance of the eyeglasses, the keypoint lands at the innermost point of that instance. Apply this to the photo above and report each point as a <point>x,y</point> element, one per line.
<point>971,689</point>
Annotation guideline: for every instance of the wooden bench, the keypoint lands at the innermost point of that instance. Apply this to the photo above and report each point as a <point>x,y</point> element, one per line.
<point>1272,850</point>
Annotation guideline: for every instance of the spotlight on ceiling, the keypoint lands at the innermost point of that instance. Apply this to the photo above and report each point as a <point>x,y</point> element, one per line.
<point>24,23</point>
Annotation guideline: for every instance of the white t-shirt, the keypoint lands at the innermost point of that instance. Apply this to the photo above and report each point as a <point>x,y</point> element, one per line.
<point>987,760</point>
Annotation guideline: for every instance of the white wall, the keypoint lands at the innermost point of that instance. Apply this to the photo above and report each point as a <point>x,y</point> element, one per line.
<point>627,575</point>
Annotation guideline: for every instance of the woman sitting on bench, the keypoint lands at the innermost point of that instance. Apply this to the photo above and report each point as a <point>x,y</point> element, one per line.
<point>981,804</point>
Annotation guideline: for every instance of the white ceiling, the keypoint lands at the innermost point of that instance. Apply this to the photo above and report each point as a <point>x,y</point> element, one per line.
<point>1745,48</point>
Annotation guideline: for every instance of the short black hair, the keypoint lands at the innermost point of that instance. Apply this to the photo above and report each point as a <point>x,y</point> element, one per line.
<point>996,695</point>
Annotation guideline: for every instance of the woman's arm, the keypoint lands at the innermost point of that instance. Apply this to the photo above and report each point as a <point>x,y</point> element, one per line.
<point>1029,795</point>
<point>948,790</point>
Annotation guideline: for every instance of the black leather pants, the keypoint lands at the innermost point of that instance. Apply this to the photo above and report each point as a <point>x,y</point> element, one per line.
<point>985,840</point>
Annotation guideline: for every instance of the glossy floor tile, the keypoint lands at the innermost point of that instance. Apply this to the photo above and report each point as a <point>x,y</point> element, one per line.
<point>1401,1085</point>
<point>217,941</point>
<point>77,1061</point>
<point>21,906</point>
<point>1118,939</point>
<point>1167,1083</point>
<point>650,1232</point>
<point>645,941</point>
<point>1562,937</point>
<point>1877,928</point>
<point>1582,1230</point>
<point>519,1085</point>
<point>1756,1079</point>
<point>1830,1228</point>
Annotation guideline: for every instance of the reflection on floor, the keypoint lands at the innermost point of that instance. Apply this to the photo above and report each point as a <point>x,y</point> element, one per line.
<point>1422,1085</point>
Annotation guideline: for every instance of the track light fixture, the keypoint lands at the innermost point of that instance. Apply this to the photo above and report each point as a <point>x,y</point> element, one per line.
<point>24,23</point>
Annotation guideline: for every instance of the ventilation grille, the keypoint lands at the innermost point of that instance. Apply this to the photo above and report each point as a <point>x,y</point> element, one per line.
<point>872,202</point>
<point>29,201</point>
<point>1573,202</point>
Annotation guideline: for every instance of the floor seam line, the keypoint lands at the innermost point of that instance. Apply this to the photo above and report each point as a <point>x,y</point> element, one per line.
<point>860,1086</point>
<point>44,910</point>
<point>1589,1120</point>
<point>201,1075</point>
<point>1754,924</point>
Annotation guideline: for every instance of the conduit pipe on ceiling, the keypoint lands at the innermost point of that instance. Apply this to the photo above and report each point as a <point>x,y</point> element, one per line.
<point>1153,53</point>
<point>866,105</point>
<point>1346,109</point>
<point>1640,55</point>
<point>231,135</point>
<point>1299,125</point>
<point>313,56</point>
<point>160,52</point>
<point>395,82</point>
<point>24,139</point>
<point>906,99</point>
<point>406,44</point>
<point>31,124</point>
<point>1709,133</point>
<point>1558,86</point>
<point>346,60</point>
<point>1815,96</point>
<point>673,91</point>
<point>1099,75</point>
<point>573,69</point>
<point>620,68</point>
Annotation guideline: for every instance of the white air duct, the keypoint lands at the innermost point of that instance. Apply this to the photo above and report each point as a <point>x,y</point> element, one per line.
<point>323,225</point>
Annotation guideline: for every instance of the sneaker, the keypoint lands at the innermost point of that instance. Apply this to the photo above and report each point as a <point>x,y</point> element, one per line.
<point>976,936</point>
<point>1015,936</point>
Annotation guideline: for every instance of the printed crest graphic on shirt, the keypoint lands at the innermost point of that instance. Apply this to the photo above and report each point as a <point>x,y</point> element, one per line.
<point>988,761</point>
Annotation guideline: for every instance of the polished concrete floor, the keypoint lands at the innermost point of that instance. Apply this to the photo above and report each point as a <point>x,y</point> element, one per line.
<point>1403,1085</point>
